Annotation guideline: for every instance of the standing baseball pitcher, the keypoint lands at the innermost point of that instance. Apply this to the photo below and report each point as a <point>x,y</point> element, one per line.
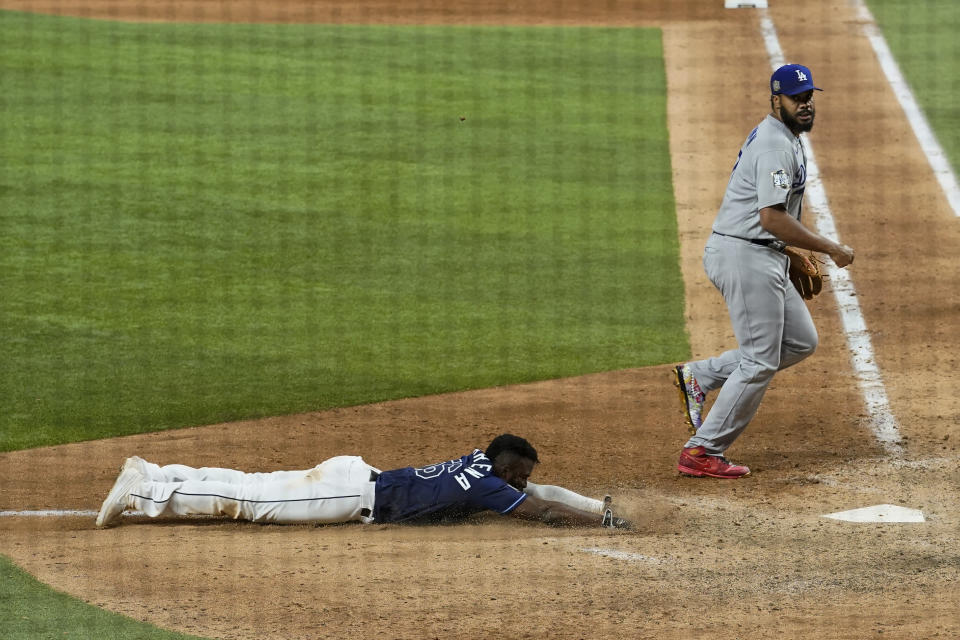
<point>748,260</point>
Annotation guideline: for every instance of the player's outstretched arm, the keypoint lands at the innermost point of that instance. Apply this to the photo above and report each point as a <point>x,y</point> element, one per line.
<point>565,496</point>
<point>557,513</point>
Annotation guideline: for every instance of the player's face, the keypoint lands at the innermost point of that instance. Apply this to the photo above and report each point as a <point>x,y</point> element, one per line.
<point>516,472</point>
<point>798,112</point>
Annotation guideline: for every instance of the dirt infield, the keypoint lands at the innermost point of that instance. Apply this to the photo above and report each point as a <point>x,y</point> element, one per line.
<point>745,559</point>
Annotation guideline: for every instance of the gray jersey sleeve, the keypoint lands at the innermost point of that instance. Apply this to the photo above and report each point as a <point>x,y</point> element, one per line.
<point>775,171</point>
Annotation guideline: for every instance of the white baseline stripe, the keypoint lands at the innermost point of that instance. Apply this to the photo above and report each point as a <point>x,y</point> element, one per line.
<point>57,513</point>
<point>883,423</point>
<point>621,555</point>
<point>921,128</point>
<point>47,513</point>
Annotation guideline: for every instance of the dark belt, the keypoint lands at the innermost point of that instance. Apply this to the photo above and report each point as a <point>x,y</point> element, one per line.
<point>373,478</point>
<point>776,245</point>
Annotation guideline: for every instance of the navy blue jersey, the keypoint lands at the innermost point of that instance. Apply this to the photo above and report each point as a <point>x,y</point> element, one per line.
<point>446,490</point>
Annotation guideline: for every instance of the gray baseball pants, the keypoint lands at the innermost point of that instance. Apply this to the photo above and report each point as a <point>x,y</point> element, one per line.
<point>773,328</point>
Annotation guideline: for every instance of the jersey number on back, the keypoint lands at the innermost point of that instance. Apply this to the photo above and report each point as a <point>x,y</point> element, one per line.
<point>750,138</point>
<point>435,470</point>
<point>453,466</point>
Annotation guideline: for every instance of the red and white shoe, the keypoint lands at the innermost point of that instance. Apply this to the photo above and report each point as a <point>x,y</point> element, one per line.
<point>695,462</point>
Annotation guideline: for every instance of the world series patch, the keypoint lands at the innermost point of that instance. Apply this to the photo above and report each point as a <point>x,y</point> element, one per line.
<point>780,179</point>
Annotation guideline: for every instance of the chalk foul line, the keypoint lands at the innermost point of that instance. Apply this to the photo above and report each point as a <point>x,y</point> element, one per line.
<point>59,513</point>
<point>882,421</point>
<point>621,555</point>
<point>935,154</point>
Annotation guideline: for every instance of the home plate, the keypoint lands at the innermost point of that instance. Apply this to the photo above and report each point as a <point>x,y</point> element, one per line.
<point>879,513</point>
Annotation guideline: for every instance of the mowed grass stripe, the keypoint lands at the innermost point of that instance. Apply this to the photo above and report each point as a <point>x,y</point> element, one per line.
<point>30,610</point>
<point>211,222</point>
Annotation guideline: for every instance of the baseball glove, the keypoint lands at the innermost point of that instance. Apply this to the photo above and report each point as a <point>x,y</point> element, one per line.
<point>805,273</point>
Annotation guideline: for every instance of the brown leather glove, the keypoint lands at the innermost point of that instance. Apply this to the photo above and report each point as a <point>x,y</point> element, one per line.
<point>805,272</point>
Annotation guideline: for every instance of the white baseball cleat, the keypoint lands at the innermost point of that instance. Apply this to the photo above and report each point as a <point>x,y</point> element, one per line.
<point>128,480</point>
<point>135,462</point>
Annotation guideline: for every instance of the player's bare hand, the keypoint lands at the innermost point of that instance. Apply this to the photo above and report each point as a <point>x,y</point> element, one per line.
<point>842,255</point>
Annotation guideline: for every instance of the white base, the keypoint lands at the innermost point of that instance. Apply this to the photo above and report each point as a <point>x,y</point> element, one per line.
<point>745,4</point>
<point>879,513</point>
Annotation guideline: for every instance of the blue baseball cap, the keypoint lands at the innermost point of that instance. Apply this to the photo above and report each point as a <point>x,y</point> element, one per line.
<point>792,79</point>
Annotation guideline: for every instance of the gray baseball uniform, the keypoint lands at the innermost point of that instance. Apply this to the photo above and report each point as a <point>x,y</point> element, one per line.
<point>772,325</point>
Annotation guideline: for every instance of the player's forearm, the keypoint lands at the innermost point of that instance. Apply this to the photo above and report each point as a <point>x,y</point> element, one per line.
<point>787,228</point>
<point>558,513</point>
<point>555,513</point>
<point>565,496</point>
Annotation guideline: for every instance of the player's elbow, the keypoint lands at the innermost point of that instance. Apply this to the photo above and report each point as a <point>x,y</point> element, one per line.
<point>772,218</point>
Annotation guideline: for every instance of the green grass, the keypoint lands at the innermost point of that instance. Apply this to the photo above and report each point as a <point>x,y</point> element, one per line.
<point>923,38</point>
<point>29,610</point>
<point>211,222</point>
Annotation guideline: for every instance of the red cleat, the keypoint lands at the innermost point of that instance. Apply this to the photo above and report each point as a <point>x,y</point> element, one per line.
<point>695,462</point>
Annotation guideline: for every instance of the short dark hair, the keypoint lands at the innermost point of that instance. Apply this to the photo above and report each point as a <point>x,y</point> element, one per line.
<point>510,443</point>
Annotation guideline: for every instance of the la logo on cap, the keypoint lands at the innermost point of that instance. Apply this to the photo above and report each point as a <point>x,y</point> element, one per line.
<point>792,79</point>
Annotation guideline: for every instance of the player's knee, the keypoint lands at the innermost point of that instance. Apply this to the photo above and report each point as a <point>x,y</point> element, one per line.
<point>758,371</point>
<point>804,346</point>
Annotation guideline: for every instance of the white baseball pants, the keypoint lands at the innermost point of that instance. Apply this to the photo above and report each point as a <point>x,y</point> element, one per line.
<point>340,489</point>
